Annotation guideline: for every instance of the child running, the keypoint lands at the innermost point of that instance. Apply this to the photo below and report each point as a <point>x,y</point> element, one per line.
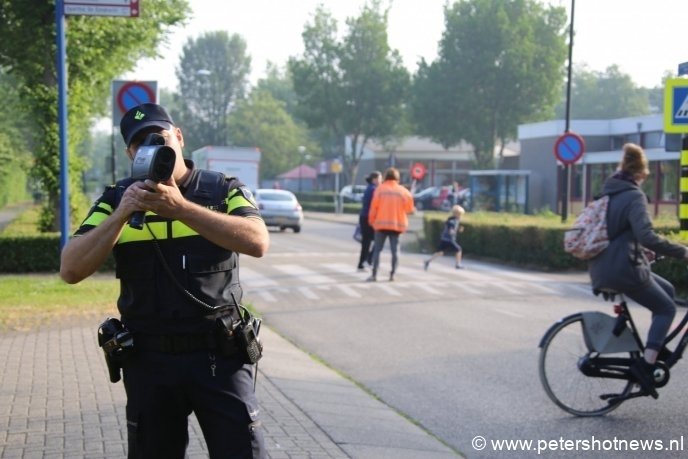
<point>448,238</point>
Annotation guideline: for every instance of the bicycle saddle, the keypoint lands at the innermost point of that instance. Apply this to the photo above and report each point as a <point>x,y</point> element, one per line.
<point>607,293</point>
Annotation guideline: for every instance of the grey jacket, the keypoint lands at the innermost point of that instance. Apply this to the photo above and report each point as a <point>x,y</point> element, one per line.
<point>622,266</point>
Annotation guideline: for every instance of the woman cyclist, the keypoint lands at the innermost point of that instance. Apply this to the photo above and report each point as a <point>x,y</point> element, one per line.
<point>624,266</point>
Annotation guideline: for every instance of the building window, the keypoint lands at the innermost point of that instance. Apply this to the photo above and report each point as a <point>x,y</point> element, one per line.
<point>668,180</point>
<point>617,142</point>
<point>653,140</point>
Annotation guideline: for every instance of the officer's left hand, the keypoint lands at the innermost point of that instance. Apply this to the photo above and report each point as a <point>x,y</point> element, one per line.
<point>165,198</point>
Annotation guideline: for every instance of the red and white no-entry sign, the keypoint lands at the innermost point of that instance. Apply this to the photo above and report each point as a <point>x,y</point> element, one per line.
<point>418,171</point>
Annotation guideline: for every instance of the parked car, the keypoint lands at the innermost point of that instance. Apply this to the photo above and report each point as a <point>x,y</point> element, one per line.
<point>279,208</point>
<point>433,198</point>
<point>423,198</point>
<point>353,193</point>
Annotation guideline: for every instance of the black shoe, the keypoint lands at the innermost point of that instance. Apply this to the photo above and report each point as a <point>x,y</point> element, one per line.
<point>426,264</point>
<point>372,278</point>
<point>643,372</point>
<point>391,277</point>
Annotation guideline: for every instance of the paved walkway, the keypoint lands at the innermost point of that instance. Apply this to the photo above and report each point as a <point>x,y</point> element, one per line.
<point>56,401</point>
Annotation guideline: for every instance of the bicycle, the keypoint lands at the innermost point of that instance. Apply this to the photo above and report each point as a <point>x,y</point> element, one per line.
<point>585,359</point>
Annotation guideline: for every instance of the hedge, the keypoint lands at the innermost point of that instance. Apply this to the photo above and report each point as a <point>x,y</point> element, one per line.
<point>524,240</point>
<point>34,254</point>
<point>534,242</point>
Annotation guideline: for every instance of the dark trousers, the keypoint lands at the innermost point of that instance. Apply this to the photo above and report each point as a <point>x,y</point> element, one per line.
<point>380,237</point>
<point>367,236</point>
<point>162,391</point>
<point>658,297</point>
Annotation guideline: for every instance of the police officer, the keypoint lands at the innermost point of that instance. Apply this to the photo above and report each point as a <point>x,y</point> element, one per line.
<point>178,275</point>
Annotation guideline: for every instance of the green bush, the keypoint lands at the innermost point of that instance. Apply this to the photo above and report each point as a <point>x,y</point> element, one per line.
<point>535,241</point>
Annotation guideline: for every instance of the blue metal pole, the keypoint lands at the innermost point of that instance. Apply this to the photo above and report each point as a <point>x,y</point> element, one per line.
<point>62,121</point>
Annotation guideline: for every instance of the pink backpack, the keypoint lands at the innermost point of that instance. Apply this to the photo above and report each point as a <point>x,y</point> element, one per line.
<point>588,236</point>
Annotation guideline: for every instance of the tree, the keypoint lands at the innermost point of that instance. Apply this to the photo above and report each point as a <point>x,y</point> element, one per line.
<point>604,95</point>
<point>99,49</point>
<point>263,122</point>
<point>280,84</point>
<point>355,87</point>
<point>14,147</point>
<point>499,65</point>
<point>213,76</point>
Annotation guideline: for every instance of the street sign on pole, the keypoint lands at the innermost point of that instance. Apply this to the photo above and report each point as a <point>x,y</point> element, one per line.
<point>676,106</point>
<point>418,171</point>
<point>683,68</point>
<point>123,8</point>
<point>129,94</point>
<point>89,8</point>
<point>569,148</point>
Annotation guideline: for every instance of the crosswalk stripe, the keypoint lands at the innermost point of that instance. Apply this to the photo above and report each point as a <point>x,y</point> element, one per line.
<point>515,275</point>
<point>348,291</point>
<point>505,287</point>
<point>322,280</point>
<point>545,289</point>
<point>509,313</point>
<point>388,289</point>
<point>308,293</point>
<point>267,296</point>
<point>462,285</point>
<point>422,286</point>
<point>304,274</point>
<point>256,279</point>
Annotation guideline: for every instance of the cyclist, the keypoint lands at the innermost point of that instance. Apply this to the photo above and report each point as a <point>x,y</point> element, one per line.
<point>624,265</point>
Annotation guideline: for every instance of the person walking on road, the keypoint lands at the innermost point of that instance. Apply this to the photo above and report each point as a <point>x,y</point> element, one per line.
<point>388,216</point>
<point>448,243</point>
<point>179,296</point>
<point>367,231</point>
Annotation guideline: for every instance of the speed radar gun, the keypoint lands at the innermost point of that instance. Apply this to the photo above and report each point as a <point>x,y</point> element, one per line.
<point>153,161</point>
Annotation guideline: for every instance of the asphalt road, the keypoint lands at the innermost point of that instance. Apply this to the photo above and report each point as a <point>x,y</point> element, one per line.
<point>454,350</point>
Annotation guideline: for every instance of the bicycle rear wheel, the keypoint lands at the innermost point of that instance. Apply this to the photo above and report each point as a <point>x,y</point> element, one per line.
<point>565,384</point>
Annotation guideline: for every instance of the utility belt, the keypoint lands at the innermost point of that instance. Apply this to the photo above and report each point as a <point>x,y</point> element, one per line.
<point>178,344</point>
<point>231,336</point>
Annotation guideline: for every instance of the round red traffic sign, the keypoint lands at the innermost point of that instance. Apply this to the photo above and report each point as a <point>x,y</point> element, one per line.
<point>134,93</point>
<point>569,148</point>
<point>418,171</point>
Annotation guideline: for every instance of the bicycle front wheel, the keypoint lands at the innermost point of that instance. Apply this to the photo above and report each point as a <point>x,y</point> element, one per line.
<point>561,353</point>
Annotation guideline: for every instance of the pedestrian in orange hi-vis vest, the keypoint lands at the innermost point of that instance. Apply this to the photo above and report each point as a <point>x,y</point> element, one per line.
<point>388,215</point>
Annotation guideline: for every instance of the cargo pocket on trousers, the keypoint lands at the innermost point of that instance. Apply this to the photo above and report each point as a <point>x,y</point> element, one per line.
<point>133,435</point>
<point>255,431</point>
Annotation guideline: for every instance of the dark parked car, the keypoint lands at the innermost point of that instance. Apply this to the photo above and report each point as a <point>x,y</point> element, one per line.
<point>433,198</point>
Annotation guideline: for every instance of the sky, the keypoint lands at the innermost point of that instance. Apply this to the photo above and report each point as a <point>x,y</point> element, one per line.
<point>644,38</point>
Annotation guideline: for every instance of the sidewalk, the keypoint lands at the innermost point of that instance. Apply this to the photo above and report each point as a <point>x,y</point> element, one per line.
<point>56,402</point>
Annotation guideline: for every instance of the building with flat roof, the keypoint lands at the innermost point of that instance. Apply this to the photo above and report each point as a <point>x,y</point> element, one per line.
<point>604,140</point>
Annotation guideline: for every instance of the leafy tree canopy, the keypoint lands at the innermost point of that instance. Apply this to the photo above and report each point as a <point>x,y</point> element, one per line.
<point>604,95</point>
<point>263,122</point>
<point>356,86</point>
<point>213,78</point>
<point>499,65</point>
<point>98,50</point>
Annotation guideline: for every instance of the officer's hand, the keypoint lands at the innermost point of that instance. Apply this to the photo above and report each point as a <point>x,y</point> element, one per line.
<point>164,198</point>
<point>130,201</point>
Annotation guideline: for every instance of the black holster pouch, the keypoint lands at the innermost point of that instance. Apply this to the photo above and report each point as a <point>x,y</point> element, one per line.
<point>240,337</point>
<point>117,343</point>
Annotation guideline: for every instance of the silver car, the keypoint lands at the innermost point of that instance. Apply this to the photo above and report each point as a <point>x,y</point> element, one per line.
<point>279,208</point>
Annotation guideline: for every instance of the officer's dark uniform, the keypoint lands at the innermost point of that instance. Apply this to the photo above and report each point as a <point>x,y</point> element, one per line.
<point>176,367</point>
